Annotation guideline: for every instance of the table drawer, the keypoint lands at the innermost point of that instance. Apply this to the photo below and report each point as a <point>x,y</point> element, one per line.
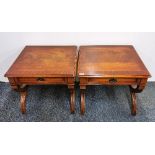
<point>41,80</point>
<point>112,81</point>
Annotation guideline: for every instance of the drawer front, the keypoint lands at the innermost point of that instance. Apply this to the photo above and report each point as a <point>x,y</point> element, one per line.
<point>40,80</point>
<point>112,81</point>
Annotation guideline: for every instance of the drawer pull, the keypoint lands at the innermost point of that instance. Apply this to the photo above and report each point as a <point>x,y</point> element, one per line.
<point>112,80</point>
<point>40,79</point>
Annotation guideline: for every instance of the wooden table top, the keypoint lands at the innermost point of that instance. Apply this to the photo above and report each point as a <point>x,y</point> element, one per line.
<point>45,61</point>
<point>110,61</point>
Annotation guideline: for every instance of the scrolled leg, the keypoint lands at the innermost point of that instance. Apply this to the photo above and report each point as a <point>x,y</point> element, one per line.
<point>72,101</point>
<point>15,87</point>
<point>18,88</point>
<point>22,89</point>
<point>82,104</point>
<point>136,90</point>
<point>23,95</point>
<point>72,98</point>
<point>134,106</point>
<point>82,107</point>
<point>133,91</point>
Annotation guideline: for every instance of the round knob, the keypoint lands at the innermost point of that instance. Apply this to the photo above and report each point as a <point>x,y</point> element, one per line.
<point>113,80</point>
<point>40,79</point>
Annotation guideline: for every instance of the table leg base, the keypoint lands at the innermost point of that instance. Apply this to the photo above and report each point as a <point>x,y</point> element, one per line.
<point>133,92</point>
<point>82,107</point>
<point>134,106</point>
<point>23,95</point>
<point>72,101</point>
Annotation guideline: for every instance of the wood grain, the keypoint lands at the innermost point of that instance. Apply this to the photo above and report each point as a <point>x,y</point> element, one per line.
<point>110,61</point>
<point>111,65</point>
<point>133,101</point>
<point>44,65</point>
<point>23,101</point>
<point>45,61</point>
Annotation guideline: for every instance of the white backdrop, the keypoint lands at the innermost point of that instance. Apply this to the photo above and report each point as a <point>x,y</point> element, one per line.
<point>11,44</point>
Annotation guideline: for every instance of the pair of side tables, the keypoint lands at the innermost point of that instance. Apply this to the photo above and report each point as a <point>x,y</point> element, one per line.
<point>94,65</point>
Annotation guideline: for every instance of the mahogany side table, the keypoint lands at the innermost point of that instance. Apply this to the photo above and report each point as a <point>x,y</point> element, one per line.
<point>111,65</point>
<point>44,65</point>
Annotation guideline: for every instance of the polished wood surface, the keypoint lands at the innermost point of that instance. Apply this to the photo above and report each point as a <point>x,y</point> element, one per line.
<point>23,101</point>
<point>133,100</point>
<point>111,65</point>
<point>110,61</point>
<point>45,61</point>
<point>96,65</point>
<point>43,65</point>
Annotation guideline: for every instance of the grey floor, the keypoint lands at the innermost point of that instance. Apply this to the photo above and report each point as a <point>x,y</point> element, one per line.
<point>51,104</point>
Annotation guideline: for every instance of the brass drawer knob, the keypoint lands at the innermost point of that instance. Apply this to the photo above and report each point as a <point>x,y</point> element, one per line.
<point>40,79</point>
<point>113,80</point>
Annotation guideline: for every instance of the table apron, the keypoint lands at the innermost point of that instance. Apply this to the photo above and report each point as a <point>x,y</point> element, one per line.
<point>109,81</point>
<point>42,80</point>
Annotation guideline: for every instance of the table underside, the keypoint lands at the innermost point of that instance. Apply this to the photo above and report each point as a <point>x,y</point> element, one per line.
<point>98,65</point>
<point>136,85</point>
<point>20,84</point>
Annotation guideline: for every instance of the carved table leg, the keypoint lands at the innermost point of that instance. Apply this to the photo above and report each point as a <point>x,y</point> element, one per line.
<point>22,89</point>
<point>82,105</point>
<point>72,101</point>
<point>82,102</point>
<point>133,92</point>
<point>23,101</point>
<point>72,98</point>
<point>15,88</point>
<point>133,99</point>
<point>23,93</point>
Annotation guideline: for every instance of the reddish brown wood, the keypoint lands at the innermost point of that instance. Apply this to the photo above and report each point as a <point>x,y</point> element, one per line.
<point>23,101</point>
<point>111,61</point>
<point>133,100</point>
<point>82,107</point>
<point>42,80</point>
<point>45,61</point>
<point>72,101</point>
<point>42,65</point>
<point>111,65</point>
